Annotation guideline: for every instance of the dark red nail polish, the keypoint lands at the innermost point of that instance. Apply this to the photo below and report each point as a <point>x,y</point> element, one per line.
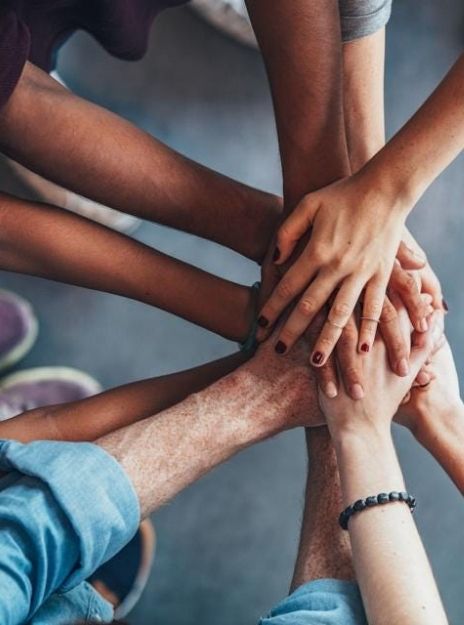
<point>276,254</point>
<point>317,358</point>
<point>263,322</point>
<point>280,347</point>
<point>365,347</point>
<point>445,305</point>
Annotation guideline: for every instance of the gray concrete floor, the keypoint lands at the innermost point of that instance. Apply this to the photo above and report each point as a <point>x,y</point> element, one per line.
<point>227,545</point>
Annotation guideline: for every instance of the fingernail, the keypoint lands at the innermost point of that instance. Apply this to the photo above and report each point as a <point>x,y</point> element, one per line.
<point>403,367</point>
<point>276,255</point>
<point>423,325</point>
<point>365,347</point>
<point>317,358</point>
<point>331,390</point>
<point>445,305</point>
<point>263,322</point>
<point>423,378</point>
<point>357,391</point>
<point>280,347</point>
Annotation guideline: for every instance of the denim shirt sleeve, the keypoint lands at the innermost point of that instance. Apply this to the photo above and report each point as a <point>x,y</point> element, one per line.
<point>65,508</point>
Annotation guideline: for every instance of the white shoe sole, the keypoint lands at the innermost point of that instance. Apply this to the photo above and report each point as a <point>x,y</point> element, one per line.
<point>65,374</point>
<point>19,351</point>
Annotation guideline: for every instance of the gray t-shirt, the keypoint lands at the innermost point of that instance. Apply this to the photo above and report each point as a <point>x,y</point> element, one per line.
<point>360,18</point>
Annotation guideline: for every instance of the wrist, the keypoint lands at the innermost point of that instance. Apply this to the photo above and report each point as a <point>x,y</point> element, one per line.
<point>448,422</point>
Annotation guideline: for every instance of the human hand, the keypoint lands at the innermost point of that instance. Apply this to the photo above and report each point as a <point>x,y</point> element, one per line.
<point>356,233</point>
<point>437,399</point>
<point>383,390</point>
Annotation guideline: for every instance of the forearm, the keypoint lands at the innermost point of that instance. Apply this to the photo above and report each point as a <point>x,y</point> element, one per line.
<point>97,416</point>
<point>363,98</point>
<point>426,145</point>
<point>324,551</point>
<point>300,42</point>
<point>443,437</point>
<point>166,453</point>
<point>101,156</point>
<point>45,241</point>
<point>391,566</point>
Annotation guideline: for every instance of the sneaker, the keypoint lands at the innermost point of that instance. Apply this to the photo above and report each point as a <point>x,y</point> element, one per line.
<point>230,16</point>
<point>122,579</point>
<point>43,386</point>
<point>51,193</point>
<point>18,328</point>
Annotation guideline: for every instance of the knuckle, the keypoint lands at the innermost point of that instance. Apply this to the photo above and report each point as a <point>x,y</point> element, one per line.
<point>352,374</point>
<point>306,306</point>
<point>373,307</point>
<point>285,233</point>
<point>389,314</point>
<point>285,289</point>
<point>341,310</point>
<point>410,282</point>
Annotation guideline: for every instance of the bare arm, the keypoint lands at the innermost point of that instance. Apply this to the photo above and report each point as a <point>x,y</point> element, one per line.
<point>91,151</point>
<point>391,565</point>
<point>96,416</point>
<point>45,241</point>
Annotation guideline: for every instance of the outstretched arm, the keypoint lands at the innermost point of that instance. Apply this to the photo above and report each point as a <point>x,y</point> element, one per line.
<point>390,562</point>
<point>46,241</point>
<point>91,151</point>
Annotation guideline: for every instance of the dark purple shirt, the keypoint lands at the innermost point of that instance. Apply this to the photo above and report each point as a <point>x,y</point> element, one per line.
<point>34,29</point>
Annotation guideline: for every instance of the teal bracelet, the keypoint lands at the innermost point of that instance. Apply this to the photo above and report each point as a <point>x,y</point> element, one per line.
<point>250,343</point>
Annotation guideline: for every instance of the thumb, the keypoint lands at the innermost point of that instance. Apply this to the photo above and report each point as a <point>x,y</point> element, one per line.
<point>409,258</point>
<point>294,227</point>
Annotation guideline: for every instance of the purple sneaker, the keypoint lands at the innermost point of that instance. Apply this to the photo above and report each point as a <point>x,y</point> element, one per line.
<point>43,386</point>
<point>18,328</point>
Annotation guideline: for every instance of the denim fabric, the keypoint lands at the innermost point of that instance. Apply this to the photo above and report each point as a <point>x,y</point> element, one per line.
<point>321,602</point>
<point>65,509</point>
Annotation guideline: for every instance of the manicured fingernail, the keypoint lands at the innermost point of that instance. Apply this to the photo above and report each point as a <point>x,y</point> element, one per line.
<point>445,305</point>
<point>317,358</point>
<point>365,347</point>
<point>423,325</point>
<point>263,322</point>
<point>423,378</point>
<point>331,390</point>
<point>280,347</point>
<point>403,367</point>
<point>276,255</point>
<point>357,391</point>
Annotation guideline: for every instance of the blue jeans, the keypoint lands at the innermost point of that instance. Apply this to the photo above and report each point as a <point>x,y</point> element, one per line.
<point>65,509</point>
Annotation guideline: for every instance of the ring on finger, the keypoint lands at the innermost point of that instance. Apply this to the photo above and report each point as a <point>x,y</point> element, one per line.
<point>370,319</point>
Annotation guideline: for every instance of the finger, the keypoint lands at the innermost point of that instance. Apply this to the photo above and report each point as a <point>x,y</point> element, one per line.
<point>405,285</point>
<point>374,298</point>
<point>395,343</point>
<point>423,345</point>
<point>312,300</point>
<point>409,258</point>
<point>350,361</point>
<point>327,378</point>
<point>339,314</point>
<point>431,285</point>
<point>294,227</point>
<point>289,287</point>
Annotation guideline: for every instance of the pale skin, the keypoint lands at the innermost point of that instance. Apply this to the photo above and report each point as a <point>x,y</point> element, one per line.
<point>386,547</point>
<point>357,222</point>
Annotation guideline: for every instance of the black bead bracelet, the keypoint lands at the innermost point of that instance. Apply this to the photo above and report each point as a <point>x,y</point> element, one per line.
<point>375,500</point>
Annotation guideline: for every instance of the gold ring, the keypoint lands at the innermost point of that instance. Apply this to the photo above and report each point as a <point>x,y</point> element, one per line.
<point>370,319</point>
<point>336,325</point>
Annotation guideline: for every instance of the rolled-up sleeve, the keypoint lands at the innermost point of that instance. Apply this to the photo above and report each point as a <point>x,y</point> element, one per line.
<point>65,509</point>
<point>360,18</point>
<point>15,42</point>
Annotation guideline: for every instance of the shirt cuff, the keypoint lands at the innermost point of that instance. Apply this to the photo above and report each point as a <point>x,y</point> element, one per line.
<point>92,490</point>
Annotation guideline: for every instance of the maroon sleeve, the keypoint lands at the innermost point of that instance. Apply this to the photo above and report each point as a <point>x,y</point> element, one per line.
<point>14,50</point>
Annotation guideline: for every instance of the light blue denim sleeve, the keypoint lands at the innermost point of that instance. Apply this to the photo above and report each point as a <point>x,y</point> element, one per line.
<point>321,602</point>
<point>65,508</point>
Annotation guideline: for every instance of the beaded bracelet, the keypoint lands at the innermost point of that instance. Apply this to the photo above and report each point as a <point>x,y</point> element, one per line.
<point>375,500</point>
